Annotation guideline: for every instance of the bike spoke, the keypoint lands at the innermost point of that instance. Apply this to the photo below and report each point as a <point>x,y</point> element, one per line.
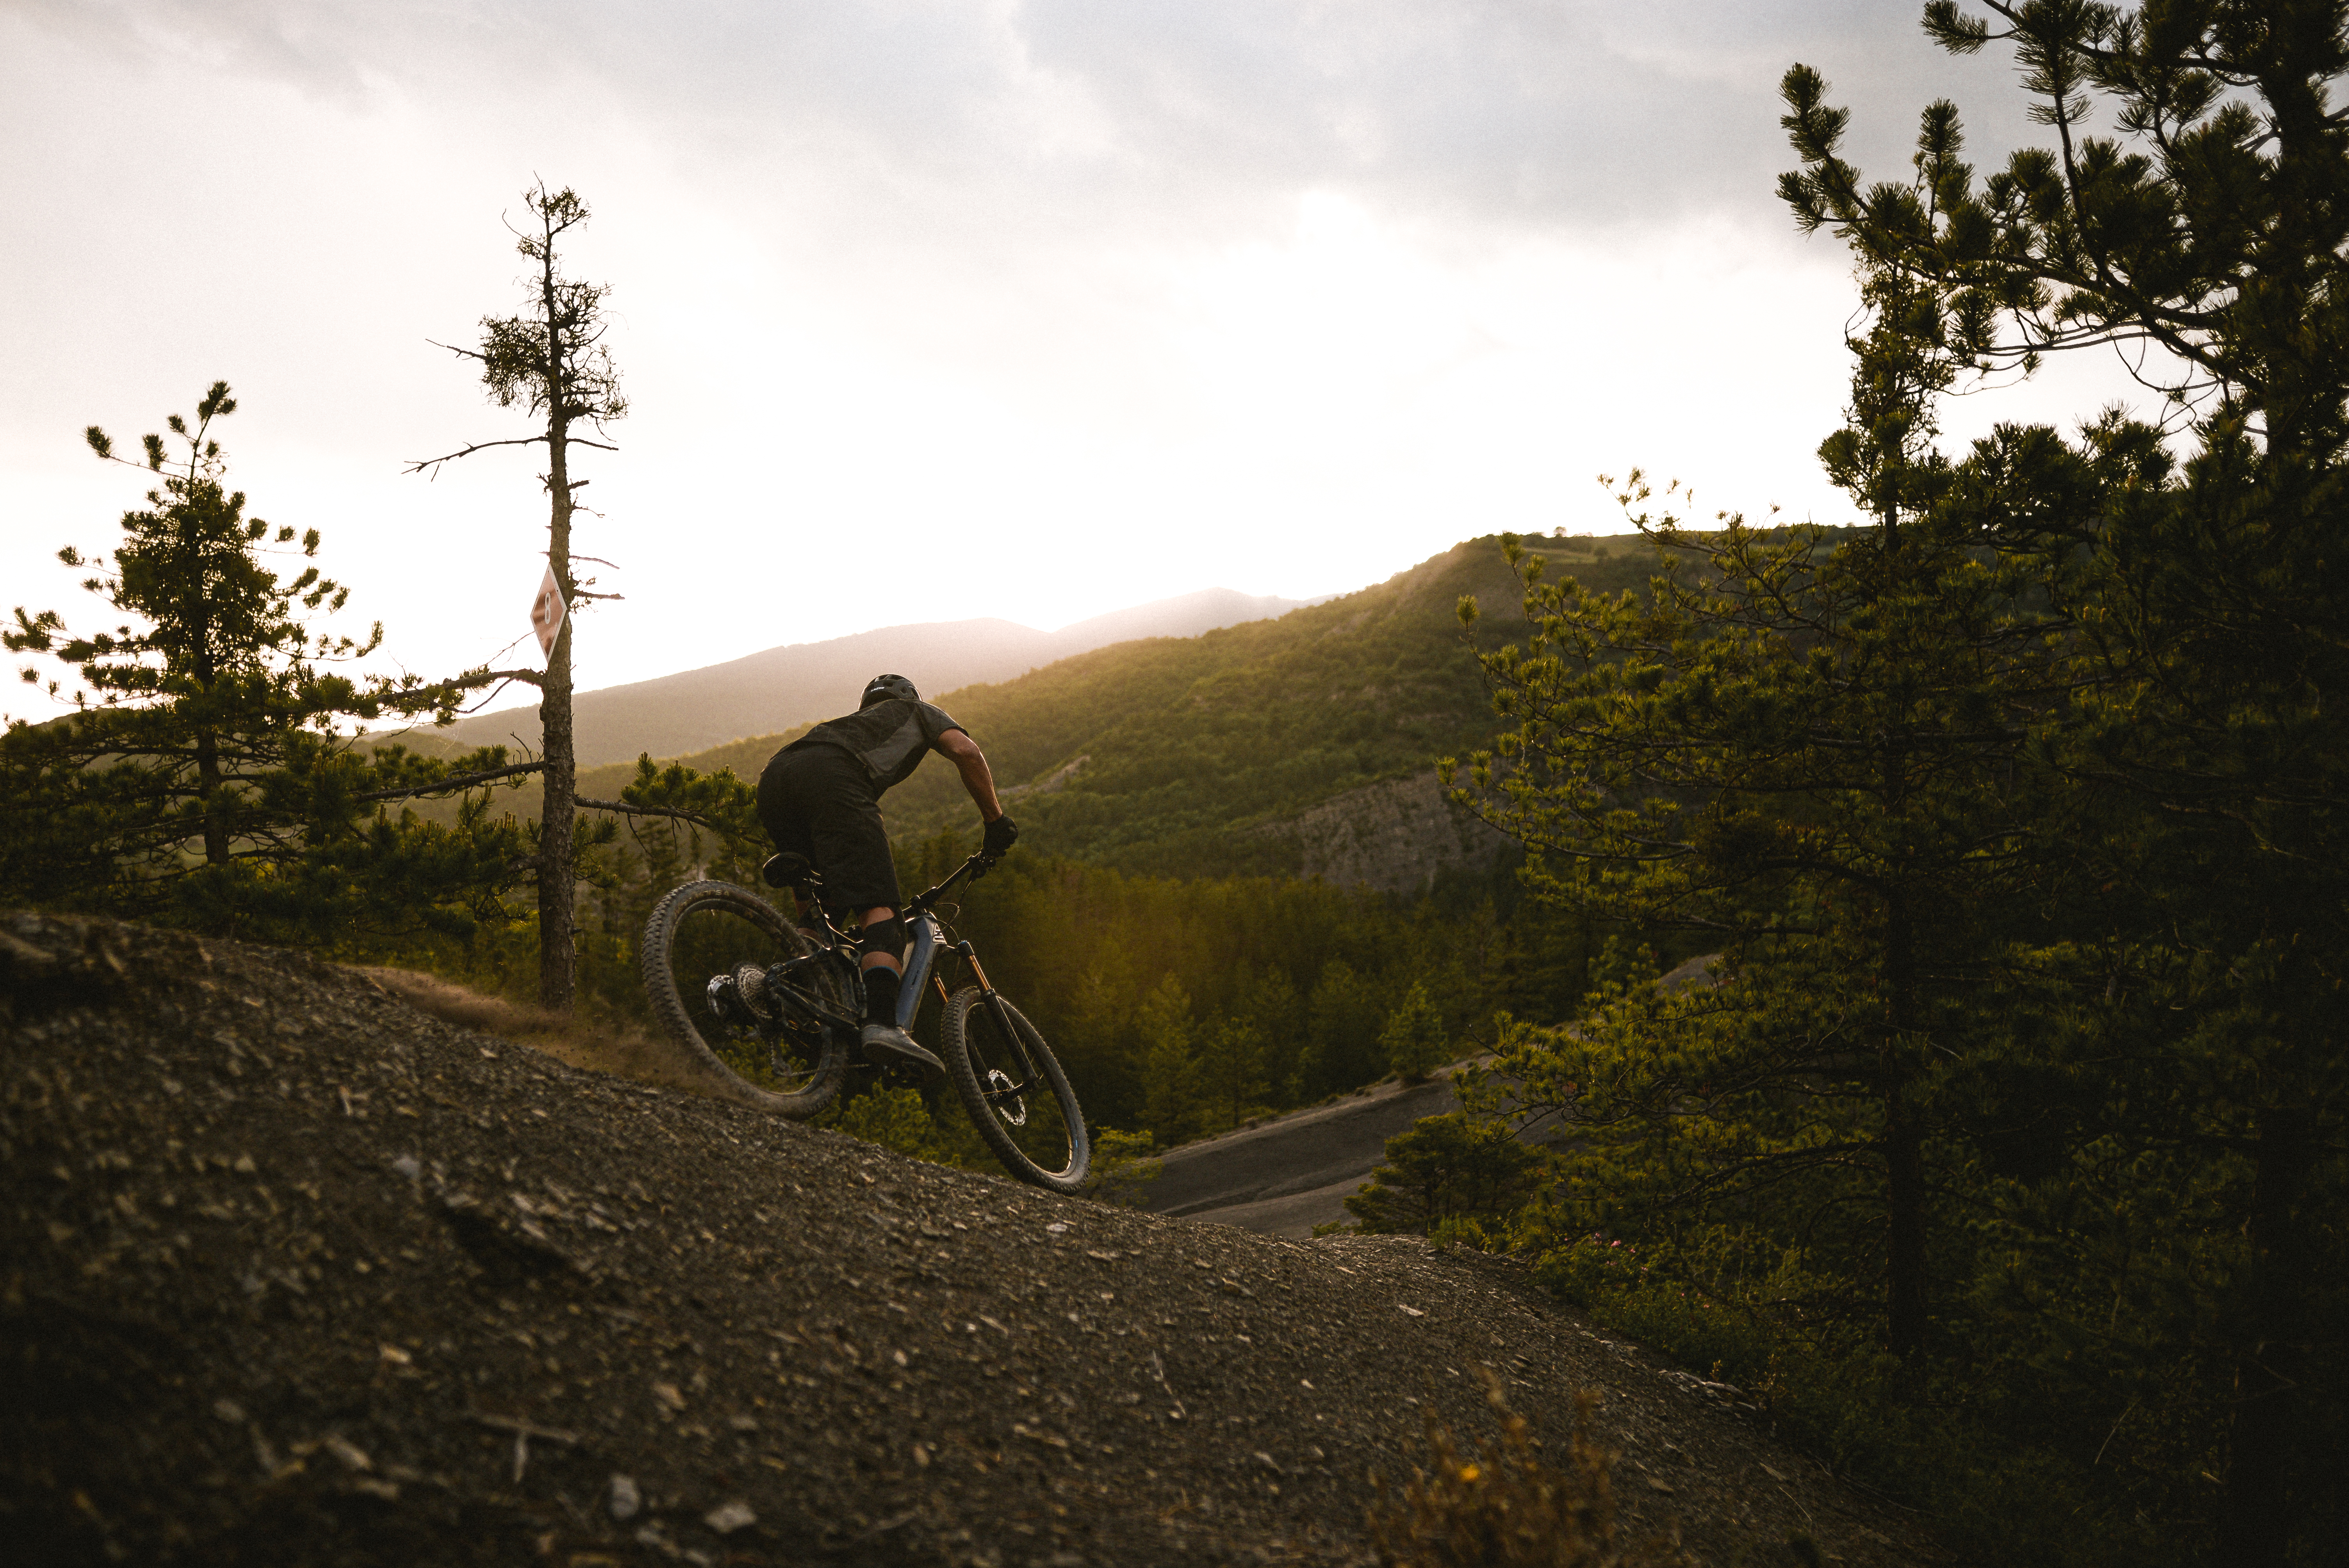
<point>715,956</point>
<point>1020,1106</point>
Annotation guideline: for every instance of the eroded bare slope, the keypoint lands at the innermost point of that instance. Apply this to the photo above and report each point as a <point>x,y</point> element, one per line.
<point>295,1274</point>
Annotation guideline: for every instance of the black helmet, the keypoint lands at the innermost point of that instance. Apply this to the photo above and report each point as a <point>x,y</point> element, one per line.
<point>881,688</point>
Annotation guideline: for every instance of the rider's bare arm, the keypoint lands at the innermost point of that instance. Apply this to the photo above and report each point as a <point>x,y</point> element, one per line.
<point>971,763</point>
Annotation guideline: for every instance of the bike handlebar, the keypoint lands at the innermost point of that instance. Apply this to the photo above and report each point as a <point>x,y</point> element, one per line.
<point>976,867</point>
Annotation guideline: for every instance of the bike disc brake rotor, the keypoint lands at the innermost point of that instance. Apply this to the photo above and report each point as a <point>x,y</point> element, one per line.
<point>1005,1096</point>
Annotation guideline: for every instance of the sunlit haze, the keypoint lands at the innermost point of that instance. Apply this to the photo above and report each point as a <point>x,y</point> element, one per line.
<point>935,310</point>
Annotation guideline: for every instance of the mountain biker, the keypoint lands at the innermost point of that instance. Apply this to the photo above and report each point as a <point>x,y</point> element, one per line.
<point>820,796</point>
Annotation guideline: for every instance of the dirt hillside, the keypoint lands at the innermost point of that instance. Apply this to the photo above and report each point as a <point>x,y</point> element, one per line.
<point>295,1274</point>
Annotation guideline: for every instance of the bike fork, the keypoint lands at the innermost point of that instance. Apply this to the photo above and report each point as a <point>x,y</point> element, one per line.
<point>994,1004</point>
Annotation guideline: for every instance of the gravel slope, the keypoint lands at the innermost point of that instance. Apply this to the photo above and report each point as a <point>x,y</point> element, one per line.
<point>295,1274</point>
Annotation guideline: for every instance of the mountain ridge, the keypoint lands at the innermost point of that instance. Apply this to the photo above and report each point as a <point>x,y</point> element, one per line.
<point>793,683</point>
<point>1298,746</point>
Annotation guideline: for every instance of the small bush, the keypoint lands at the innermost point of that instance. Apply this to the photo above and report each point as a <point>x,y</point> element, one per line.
<point>1503,1506</point>
<point>897,1119</point>
<point>1123,1169</point>
<point>1913,1433</point>
<point>1475,1234</point>
<point>1448,1167</point>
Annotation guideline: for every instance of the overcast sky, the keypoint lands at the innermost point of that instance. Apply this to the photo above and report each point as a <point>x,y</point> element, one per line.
<point>936,308</point>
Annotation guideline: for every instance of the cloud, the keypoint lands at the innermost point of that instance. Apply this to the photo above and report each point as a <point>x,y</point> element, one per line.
<point>1498,111</point>
<point>1054,305</point>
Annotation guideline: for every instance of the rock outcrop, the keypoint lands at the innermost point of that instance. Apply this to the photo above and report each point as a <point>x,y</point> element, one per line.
<point>1393,836</point>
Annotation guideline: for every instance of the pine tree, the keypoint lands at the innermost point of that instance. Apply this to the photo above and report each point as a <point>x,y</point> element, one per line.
<point>550,358</point>
<point>1169,1065</point>
<point>1802,746</point>
<point>1269,1002</point>
<point>1342,1031</point>
<point>1414,1036</point>
<point>2206,236</point>
<point>1447,1167</point>
<point>204,776</point>
<point>1229,1067</point>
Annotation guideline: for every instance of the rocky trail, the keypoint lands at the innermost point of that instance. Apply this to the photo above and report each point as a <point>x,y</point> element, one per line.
<point>296,1274</point>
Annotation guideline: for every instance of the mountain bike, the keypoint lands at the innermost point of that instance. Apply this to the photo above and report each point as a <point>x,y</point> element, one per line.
<point>778,1007</point>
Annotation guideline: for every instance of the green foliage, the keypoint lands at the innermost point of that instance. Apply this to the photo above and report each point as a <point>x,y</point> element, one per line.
<point>1174,1004</point>
<point>1809,750</point>
<point>1231,1068</point>
<point>1201,751</point>
<point>203,779</point>
<point>1414,1036</point>
<point>1169,1067</point>
<point>2165,1165</point>
<point>1744,1317</point>
<point>1341,1032</point>
<point>1506,1505</point>
<point>1450,1169</point>
<point>552,359</point>
<point>1123,1169</point>
<point>2010,1149</point>
<point>897,1119</point>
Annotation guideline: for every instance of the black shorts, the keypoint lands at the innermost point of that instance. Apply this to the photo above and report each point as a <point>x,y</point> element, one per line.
<point>818,802</point>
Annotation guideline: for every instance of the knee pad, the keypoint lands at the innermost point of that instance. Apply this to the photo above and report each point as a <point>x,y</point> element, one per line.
<point>886,936</point>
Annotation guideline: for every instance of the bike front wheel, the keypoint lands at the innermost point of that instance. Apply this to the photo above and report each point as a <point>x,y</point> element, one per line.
<point>703,942</point>
<point>1016,1092</point>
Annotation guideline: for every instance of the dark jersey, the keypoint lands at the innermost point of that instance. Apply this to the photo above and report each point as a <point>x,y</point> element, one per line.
<point>890,738</point>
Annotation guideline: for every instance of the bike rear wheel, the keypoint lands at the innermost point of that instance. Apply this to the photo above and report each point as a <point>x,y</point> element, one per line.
<point>703,941</point>
<point>1016,1093</point>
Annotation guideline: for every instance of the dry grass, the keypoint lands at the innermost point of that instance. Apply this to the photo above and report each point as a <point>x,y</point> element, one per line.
<point>620,1051</point>
<point>1504,1506</point>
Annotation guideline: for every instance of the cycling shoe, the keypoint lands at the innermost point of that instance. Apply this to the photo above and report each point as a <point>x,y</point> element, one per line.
<point>887,1046</point>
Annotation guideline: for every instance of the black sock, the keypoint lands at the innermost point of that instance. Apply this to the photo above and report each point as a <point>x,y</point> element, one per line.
<point>881,994</point>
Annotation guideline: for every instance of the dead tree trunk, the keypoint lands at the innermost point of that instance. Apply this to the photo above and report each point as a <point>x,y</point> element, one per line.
<point>558,951</point>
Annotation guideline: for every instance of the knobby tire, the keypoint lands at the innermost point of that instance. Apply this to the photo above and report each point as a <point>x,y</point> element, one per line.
<point>708,928</point>
<point>1051,1150</point>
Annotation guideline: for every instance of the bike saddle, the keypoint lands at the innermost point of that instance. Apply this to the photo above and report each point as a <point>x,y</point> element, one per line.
<point>787,870</point>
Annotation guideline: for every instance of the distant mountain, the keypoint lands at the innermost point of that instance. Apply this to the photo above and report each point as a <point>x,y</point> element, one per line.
<point>783,687</point>
<point>1304,745</point>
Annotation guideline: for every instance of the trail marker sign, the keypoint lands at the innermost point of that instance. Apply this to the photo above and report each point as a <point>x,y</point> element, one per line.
<point>546,612</point>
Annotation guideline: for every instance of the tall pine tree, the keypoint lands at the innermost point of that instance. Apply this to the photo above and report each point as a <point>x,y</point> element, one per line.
<point>2207,234</point>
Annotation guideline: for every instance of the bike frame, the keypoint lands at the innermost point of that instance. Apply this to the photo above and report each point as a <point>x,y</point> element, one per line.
<point>929,941</point>
<point>929,937</point>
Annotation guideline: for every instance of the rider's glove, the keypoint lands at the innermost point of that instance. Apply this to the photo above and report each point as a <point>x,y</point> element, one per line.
<point>1001,834</point>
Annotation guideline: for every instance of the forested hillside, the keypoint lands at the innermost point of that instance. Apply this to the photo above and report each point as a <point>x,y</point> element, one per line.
<point>1183,757</point>
<point>1147,920</point>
